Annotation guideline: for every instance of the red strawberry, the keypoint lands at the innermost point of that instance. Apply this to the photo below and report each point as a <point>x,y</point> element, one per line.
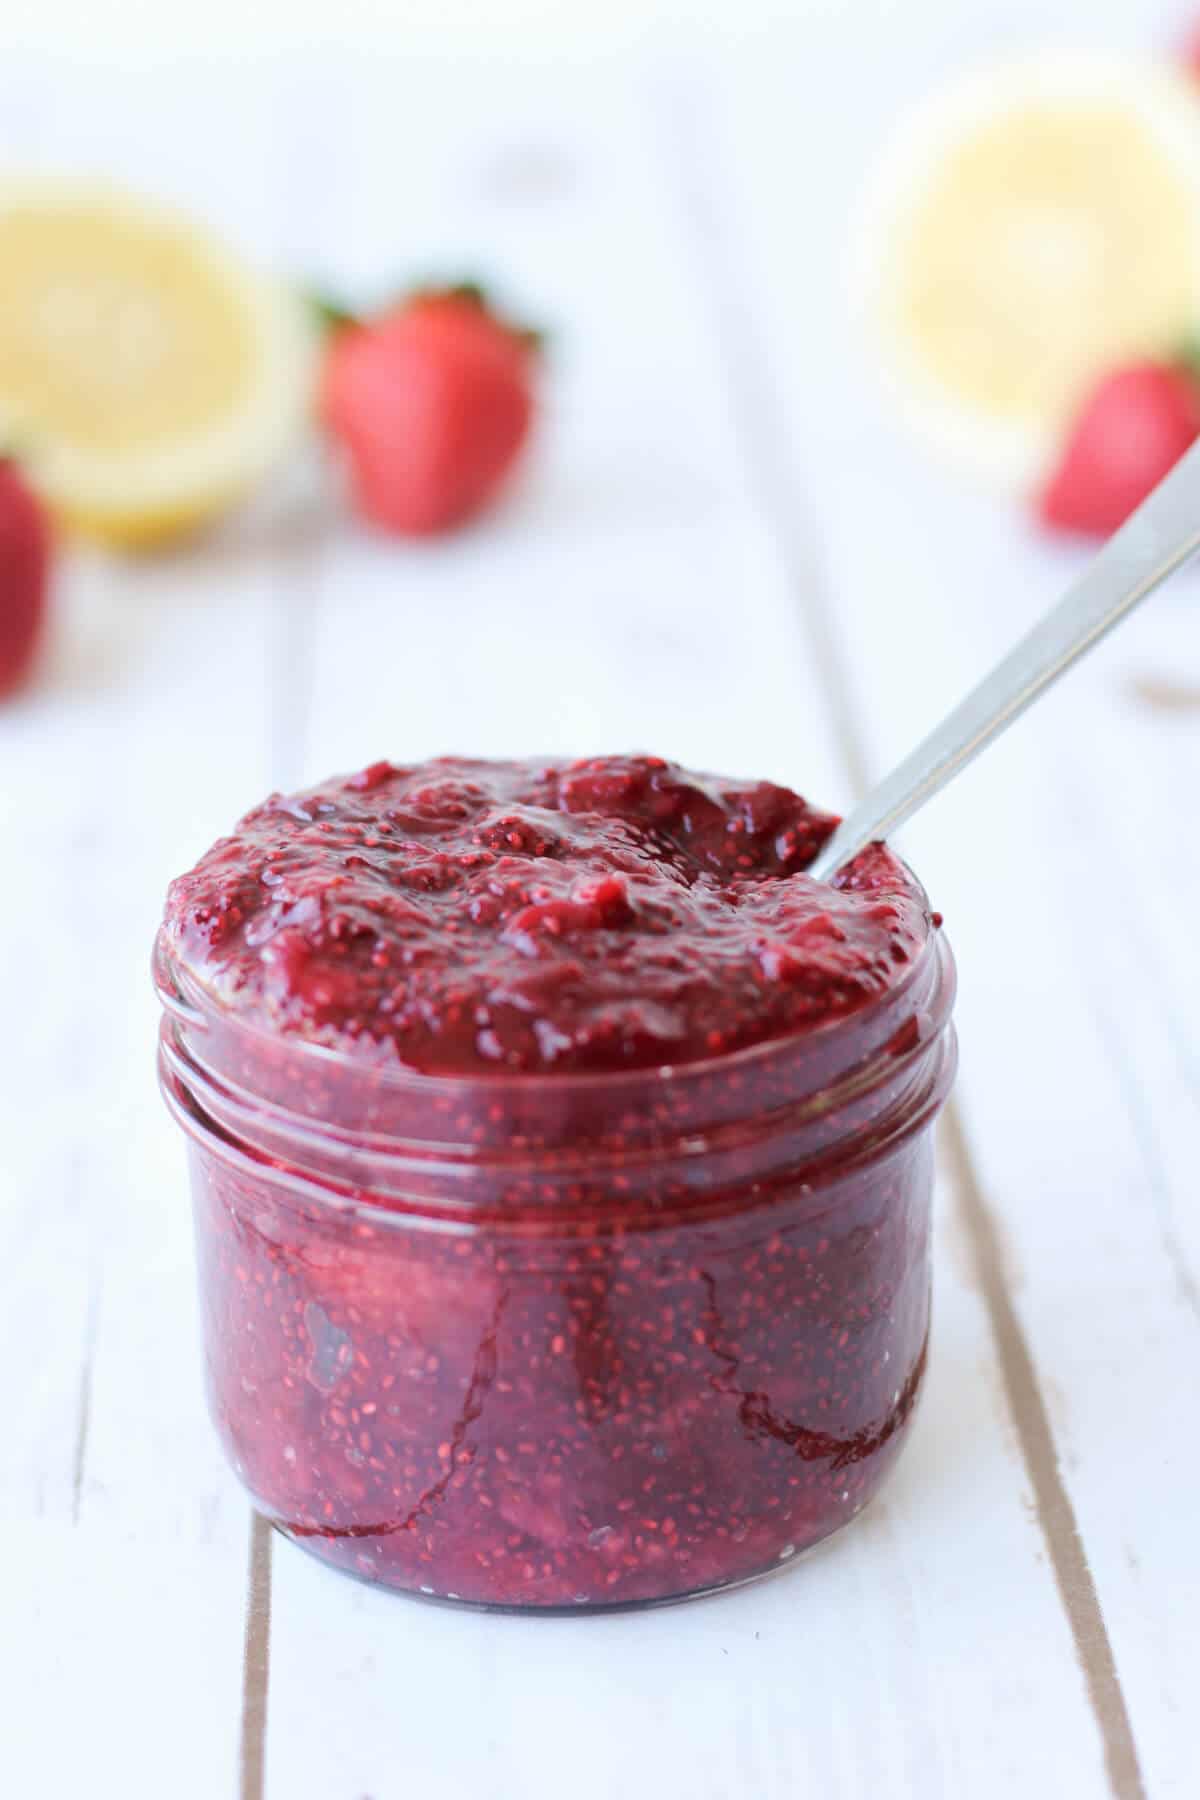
<point>1189,51</point>
<point>24,572</point>
<point>1131,430</point>
<point>432,402</point>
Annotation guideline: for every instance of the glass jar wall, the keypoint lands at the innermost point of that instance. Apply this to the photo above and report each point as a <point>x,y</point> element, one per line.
<point>570,1341</point>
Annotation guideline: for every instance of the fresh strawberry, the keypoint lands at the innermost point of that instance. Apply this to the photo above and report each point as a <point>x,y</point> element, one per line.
<point>24,573</point>
<point>1189,52</point>
<point>432,402</point>
<point>1130,431</point>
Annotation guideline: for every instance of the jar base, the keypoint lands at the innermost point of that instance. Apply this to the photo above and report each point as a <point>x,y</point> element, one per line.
<point>583,1608</point>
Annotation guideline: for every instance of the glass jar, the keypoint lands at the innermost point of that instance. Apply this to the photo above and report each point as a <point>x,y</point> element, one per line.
<point>564,1342</point>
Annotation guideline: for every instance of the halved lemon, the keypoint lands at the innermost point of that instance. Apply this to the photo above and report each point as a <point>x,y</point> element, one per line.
<point>147,377</point>
<point>1027,230</point>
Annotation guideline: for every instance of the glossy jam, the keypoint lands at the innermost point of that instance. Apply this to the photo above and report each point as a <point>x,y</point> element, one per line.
<point>561,1159</point>
<point>472,917</point>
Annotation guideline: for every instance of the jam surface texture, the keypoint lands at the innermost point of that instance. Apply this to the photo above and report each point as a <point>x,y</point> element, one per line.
<point>466,917</point>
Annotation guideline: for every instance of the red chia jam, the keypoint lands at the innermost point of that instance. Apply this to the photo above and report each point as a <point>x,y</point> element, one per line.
<point>561,1155</point>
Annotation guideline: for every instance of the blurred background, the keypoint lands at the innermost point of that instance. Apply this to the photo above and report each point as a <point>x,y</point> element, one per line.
<point>848,310</point>
<point>860,326</point>
<point>768,251</point>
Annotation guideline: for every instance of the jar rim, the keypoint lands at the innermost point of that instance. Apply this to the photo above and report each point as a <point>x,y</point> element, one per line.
<point>194,1007</point>
<point>312,1188</point>
<point>458,1145</point>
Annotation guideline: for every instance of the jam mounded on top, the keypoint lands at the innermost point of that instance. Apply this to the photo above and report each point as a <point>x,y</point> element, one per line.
<point>461,917</point>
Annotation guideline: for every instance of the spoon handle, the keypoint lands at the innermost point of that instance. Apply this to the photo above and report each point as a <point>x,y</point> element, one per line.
<point>1154,541</point>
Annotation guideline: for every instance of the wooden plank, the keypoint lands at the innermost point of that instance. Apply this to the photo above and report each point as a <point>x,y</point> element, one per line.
<point>140,1641</point>
<point>159,719</point>
<point>1080,1050</point>
<point>47,1235</point>
<point>135,1536</point>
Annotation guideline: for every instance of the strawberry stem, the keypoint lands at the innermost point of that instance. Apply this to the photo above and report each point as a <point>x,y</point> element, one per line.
<point>329,313</point>
<point>332,316</point>
<point>473,292</point>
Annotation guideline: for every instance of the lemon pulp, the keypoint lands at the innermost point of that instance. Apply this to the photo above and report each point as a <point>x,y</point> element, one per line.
<point>146,375</point>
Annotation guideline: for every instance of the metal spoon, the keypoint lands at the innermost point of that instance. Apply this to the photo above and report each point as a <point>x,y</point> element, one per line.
<point>1153,542</point>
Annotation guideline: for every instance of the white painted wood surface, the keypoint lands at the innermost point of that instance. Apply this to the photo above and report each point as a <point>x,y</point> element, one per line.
<point>725,553</point>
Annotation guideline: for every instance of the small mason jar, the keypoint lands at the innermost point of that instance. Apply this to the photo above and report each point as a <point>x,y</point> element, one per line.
<point>564,1342</point>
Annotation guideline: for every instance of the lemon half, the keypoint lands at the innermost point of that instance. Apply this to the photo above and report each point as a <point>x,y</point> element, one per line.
<point>147,377</point>
<point>1027,230</point>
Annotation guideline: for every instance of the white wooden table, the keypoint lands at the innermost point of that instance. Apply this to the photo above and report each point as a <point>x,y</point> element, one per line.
<point>725,554</point>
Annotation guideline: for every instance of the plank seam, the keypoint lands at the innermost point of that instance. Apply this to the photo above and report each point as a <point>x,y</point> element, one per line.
<point>84,1421</point>
<point>256,1663</point>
